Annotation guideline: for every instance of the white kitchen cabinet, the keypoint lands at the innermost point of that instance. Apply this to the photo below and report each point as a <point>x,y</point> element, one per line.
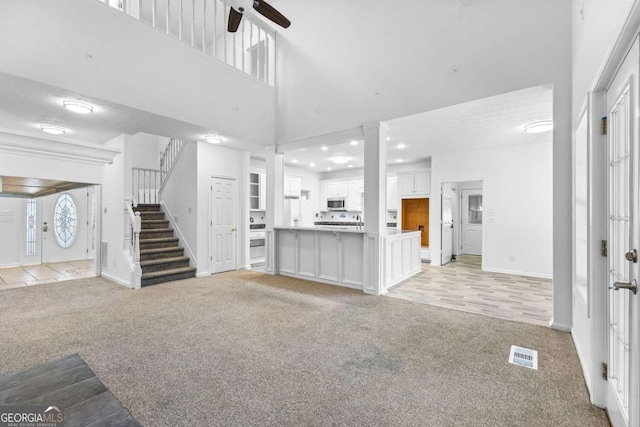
<point>337,189</point>
<point>392,193</point>
<point>343,189</point>
<point>292,186</point>
<point>354,196</point>
<point>332,189</point>
<point>323,196</point>
<point>263,191</point>
<point>414,183</point>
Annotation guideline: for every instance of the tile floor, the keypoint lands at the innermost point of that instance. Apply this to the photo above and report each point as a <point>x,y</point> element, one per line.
<point>462,285</point>
<point>15,277</point>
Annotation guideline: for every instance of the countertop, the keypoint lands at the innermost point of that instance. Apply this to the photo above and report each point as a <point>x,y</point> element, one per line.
<point>321,229</point>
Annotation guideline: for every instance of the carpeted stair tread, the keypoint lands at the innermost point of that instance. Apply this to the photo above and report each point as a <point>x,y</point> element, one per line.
<point>160,250</point>
<point>163,260</point>
<point>173,271</point>
<point>159,240</point>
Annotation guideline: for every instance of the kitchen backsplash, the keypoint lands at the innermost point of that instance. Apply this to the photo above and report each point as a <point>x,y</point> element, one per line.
<point>257,217</point>
<point>338,216</point>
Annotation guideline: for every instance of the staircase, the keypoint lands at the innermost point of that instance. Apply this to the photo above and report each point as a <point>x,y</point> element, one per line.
<point>161,259</point>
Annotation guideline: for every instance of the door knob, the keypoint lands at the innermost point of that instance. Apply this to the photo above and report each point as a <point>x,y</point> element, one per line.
<point>234,229</point>
<point>632,256</point>
<point>632,286</point>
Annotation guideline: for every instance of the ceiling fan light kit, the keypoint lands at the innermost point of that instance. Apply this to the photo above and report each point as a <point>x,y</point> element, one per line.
<point>239,7</point>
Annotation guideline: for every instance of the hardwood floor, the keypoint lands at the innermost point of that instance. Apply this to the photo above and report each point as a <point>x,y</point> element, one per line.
<point>462,285</point>
<point>69,385</point>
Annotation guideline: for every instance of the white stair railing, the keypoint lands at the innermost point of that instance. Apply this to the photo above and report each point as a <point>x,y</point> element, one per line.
<point>146,185</point>
<point>134,223</point>
<point>202,25</point>
<point>169,159</point>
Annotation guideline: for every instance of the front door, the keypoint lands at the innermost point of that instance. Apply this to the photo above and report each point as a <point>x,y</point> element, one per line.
<point>223,225</point>
<point>63,226</point>
<point>447,224</point>
<point>622,111</point>
<point>472,222</point>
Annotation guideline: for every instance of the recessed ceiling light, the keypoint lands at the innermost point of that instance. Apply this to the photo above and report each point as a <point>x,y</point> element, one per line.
<point>388,138</point>
<point>324,148</point>
<point>539,127</point>
<point>354,142</point>
<point>400,146</point>
<point>294,161</point>
<point>78,107</point>
<point>340,160</point>
<point>213,139</point>
<point>350,166</point>
<point>313,165</point>
<point>328,169</point>
<point>53,130</point>
<point>399,160</point>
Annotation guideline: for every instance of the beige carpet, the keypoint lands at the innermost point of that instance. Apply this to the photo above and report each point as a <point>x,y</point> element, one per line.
<point>249,349</point>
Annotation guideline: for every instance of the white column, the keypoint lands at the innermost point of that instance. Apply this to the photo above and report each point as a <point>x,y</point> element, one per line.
<point>375,201</point>
<point>275,204</point>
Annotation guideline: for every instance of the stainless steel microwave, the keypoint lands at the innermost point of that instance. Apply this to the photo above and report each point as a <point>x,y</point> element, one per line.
<point>336,204</point>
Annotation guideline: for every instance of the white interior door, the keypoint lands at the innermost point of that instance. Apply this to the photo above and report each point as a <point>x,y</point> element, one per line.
<point>447,224</point>
<point>622,111</point>
<point>223,225</point>
<point>472,222</point>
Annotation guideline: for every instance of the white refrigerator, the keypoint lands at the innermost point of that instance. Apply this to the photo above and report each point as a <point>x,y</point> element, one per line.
<point>298,213</point>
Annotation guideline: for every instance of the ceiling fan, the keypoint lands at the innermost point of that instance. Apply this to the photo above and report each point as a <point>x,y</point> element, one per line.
<point>239,7</point>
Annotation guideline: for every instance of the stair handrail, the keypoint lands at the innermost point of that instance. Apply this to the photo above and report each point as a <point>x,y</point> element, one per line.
<point>135,226</point>
<point>169,159</point>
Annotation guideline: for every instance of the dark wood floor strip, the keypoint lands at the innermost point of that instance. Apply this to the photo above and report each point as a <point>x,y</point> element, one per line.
<point>70,384</point>
<point>36,372</point>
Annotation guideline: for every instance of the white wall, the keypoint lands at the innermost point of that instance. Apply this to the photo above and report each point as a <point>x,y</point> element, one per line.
<point>146,150</point>
<point>130,64</point>
<point>180,197</point>
<point>221,162</point>
<point>11,230</point>
<point>113,214</point>
<point>517,198</point>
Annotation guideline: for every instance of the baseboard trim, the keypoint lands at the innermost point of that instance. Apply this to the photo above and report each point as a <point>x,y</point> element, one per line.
<point>559,326</point>
<point>203,274</point>
<point>518,273</point>
<point>115,280</point>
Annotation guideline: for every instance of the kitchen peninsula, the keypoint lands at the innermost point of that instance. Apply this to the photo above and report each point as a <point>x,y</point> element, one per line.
<point>337,256</point>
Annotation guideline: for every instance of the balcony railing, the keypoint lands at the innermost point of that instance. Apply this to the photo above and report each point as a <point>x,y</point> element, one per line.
<point>202,24</point>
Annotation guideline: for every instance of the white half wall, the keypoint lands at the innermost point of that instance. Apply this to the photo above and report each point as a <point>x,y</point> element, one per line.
<point>518,201</point>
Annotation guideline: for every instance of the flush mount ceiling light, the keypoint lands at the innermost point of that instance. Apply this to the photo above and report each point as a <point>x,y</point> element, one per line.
<point>78,107</point>
<point>313,165</point>
<point>328,169</point>
<point>350,166</point>
<point>354,142</point>
<point>213,139</point>
<point>400,146</point>
<point>399,160</point>
<point>539,127</point>
<point>294,161</point>
<point>340,160</point>
<point>324,148</point>
<point>53,130</point>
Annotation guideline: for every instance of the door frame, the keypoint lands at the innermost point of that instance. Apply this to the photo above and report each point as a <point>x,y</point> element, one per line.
<point>599,306</point>
<point>235,215</point>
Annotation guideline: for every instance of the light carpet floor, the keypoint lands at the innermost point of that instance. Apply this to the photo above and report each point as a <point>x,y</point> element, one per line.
<point>250,349</point>
<point>462,285</point>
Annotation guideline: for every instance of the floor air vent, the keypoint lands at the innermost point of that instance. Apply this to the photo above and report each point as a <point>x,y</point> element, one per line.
<point>523,357</point>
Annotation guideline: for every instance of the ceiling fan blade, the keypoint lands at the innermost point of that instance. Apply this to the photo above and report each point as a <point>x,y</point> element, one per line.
<point>266,10</point>
<point>234,20</point>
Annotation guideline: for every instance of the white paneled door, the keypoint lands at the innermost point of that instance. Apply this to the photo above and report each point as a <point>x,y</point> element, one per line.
<point>471,219</point>
<point>447,223</point>
<point>223,225</point>
<point>623,373</point>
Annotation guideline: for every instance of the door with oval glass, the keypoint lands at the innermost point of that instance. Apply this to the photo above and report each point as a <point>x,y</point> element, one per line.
<point>623,360</point>
<point>64,227</point>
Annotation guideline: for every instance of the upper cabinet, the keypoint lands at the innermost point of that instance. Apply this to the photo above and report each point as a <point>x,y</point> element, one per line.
<point>257,191</point>
<point>350,190</point>
<point>292,186</point>
<point>414,183</point>
<point>355,194</point>
<point>392,192</point>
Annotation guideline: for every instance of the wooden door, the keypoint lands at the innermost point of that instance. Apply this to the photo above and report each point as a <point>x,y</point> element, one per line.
<point>415,216</point>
